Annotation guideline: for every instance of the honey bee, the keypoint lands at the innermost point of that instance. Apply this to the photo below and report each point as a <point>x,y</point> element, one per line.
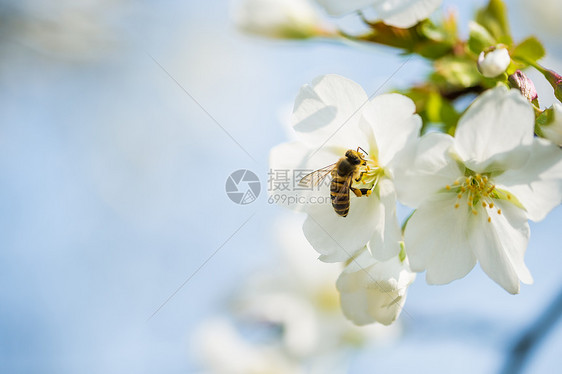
<point>343,172</point>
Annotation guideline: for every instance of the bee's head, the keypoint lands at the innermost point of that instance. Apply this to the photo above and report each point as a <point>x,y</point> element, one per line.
<point>353,157</point>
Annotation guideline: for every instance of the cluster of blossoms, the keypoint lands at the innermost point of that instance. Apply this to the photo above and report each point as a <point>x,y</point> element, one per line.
<point>473,178</point>
<point>473,193</point>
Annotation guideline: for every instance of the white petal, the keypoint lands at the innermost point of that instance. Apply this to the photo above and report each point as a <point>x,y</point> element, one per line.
<point>385,242</point>
<point>341,7</point>
<point>370,305</point>
<point>288,163</point>
<point>500,246</point>
<point>327,112</point>
<point>437,239</point>
<point>276,18</point>
<point>356,273</point>
<point>399,13</point>
<point>394,124</point>
<point>374,293</point>
<point>425,169</point>
<point>537,185</point>
<point>338,238</point>
<point>405,13</point>
<point>497,123</point>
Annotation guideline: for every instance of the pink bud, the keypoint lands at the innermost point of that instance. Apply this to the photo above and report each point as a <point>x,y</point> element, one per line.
<point>520,81</point>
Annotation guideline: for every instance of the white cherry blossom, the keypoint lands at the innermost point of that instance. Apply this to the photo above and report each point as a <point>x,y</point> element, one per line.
<point>374,291</point>
<point>398,13</point>
<point>332,115</point>
<point>475,193</point>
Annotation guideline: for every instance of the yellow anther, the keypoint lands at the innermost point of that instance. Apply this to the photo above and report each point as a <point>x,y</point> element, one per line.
<point>499,211</point>
<point>477,189</point>
<point>489,219</point>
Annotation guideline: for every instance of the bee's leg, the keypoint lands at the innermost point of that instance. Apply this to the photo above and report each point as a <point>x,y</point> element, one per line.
<point>361,191</point>
<point>366,191</point>
<point>356,191</point>
<point>358,179</point>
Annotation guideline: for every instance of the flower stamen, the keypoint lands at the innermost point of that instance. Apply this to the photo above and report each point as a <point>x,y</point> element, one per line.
<point>478,190</point>
<point>371,173</point>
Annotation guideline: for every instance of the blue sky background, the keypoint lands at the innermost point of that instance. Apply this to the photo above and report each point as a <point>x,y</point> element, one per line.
<point>112,194</point>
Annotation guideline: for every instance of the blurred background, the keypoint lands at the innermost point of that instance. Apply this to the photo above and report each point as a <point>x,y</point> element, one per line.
<point>120,122</point>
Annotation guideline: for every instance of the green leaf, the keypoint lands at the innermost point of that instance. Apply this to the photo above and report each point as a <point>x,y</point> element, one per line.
<point>440,110</point>
<point>458,71</point>
<point>424,39</point>
<point>494,18</point>
<point>529,50</point>
<point>437,112</point>
<point>433,32</point>
<point>544,119</point>
<point>479,38</point>
<point>450,25</point>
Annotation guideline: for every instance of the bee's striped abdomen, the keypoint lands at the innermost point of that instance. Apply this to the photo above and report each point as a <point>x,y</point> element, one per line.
<point>339,194</point>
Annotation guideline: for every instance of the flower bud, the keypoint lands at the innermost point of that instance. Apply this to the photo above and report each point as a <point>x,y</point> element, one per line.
<point>555,81</point>
<point>520,81</point>
<point>493,62</point>
<point>285,19</point>
<point>551,128</point>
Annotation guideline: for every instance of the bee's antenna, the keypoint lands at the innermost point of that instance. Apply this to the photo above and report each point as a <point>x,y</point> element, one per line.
<point>359,148</point>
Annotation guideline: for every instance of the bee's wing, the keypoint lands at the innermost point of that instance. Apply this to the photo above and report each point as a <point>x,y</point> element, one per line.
<point>317,176</point>
<point>343,191</point>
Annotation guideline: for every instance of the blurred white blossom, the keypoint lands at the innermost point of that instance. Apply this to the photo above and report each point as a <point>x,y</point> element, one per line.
<point>296,306</point>
<point>66,29</point>
<point>398,13</point>
<point>474,193</point>
<point>278,18</point>
<point>223,350</point>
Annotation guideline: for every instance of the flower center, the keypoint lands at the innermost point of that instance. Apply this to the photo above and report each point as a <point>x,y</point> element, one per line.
<point>371,173</point>
<point>479,190</point>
